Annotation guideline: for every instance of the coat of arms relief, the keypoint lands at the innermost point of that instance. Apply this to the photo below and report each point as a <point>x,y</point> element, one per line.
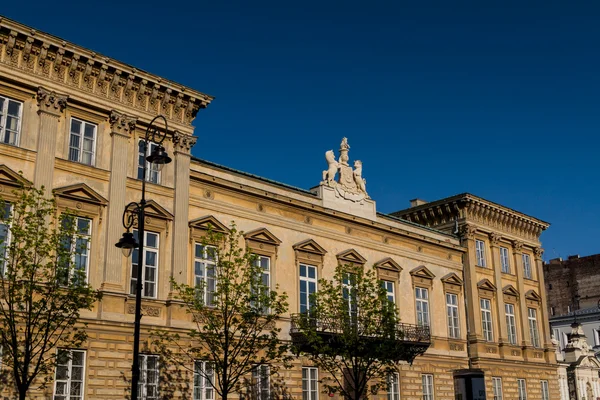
<point>350,185</point>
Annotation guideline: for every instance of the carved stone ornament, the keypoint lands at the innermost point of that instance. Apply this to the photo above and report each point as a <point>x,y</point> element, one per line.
<point>350,185</point>
<point>50,101</point>
<point>122,123</point>
<point>517,246</point>
<point>149,311</point>
<point>468,231</point>
<point>495,238</point>
<point>539,252</point>
<point>183,142</point>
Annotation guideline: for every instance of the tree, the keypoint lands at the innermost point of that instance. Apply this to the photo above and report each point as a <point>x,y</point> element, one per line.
<point>350,331</point>
<point>42,290</point>
<point>234,312</point>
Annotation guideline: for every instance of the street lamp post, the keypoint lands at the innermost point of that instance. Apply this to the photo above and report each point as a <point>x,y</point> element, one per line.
<point>135,212</point>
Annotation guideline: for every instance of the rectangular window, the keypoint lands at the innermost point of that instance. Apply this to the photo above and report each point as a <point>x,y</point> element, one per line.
<point>533,327</point>
<point>522,388</point>
<point>427,382</point>
<point>486,319</point>
<point>310,383</point>
<point>150,269</point>
<point>504,260</point>
<point>596,337</point>
<point>69,375</point>
<point>204,374</point>
<point>497,388</point>
<point>452,313</point>
<point>393,392</point>
<point>152,172</point>
<point>526,266</point>
<point>389,288</point>
<point>205,259</point>
<point>265,275</point>
<point>308,286</point>
<point>76,269</point>
<point>422,300</point>
<point>82,142</point>
<point>10,120</point>
<point>262,385</point>
<point>545,392</point>
<point>349,293</point>
<point>480,252</point>
<point>511,324</point>
<point>148,384</point>
<point>4,235</point>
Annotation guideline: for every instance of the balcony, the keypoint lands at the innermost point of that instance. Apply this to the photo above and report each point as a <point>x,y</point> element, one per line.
<point>345,336</point>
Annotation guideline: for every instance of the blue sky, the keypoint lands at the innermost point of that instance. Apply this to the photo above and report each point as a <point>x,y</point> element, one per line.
<point>499,99</point>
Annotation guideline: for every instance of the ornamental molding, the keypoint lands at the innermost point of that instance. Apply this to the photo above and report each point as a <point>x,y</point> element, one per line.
<point>51,102</point>
<point>79,69</point>
<point>183,142</point>
<point>121,123</point>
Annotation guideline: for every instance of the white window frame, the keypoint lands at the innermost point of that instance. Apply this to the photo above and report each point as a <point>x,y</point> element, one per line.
<point>596,337</point>
<point>152,171</point>
<point>310,383</point>
<point>4,133</point>
<point>453,316</point>
<point>504,260</point>
<point>203,264</point>
<point>486,319</point>
<point>76,248</point>
<point>204,373</point>
<point>4,246</point>
<point>393,386</point>
<point>265,274</point>
<point>480,252</point>
<point>389,289</point>
<point>309,283</point>
<point>143,384</point>
<point>527,266</point>
<point>511,323</point>
<point>545,391</point>
<point>81,135</point>
<point>422,306</point>
<point>497,388</point>
<point>533,327</point>
<point>427,383</point>
<point>147,250</point>
<point>522,389</point>
<point>69,381</point>
<point>260,373</point>
<point>349,293</point>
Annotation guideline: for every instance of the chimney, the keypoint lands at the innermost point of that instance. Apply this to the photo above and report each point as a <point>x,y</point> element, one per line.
<point>575,257</point>
<point>417,203</point>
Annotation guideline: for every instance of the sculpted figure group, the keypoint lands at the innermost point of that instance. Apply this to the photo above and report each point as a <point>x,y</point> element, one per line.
<point>350,185</point>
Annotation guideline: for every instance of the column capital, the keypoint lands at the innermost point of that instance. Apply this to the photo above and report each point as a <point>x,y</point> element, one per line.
<point>183,143</point>
<point>121,123</point>
<point>538,252</point>
<point>468,231</point>
<point>517,246</point>
<point>51,102</point>
<point>494,239</point>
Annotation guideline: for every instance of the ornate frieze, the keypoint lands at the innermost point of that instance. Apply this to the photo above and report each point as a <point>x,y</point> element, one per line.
<point>122,123</point>
<point>50,101</point>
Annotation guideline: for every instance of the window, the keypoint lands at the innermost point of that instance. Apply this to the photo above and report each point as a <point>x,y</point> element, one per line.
<point>596,337</point>
<point>203,380</point>
<point>486,319</point>
<point>545,392</point>
<point>152,172</point>
<point>497,388</point>
<point>82,142</point>
<point>10,120</point>
<point>69,375</point>
<point>308,286</point>
<point>150,269</point>
<point>75,270</point>
<point>533,327</point>
<point>4,236</point>
<point>526,266</point>
<point>265,276</point>
<point>504,260</point>
<point>349,292</point>
<point>148,384</point>
<point>427,382</point>
<point>511,324</point>
<point>452,312</point>
<point>422,299</point>
<point>522,389</point>
<point>552,311</point>
<point>310,379</point>
<point>389,288</point>
<point>261,379</point>
<point>204,272</point>
<point>393,392</point>
<point>480,252</point>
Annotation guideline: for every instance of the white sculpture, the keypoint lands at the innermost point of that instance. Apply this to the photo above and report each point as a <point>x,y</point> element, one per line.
<point>350,184</point>
<point>331,171</point>
<point>361,182</point>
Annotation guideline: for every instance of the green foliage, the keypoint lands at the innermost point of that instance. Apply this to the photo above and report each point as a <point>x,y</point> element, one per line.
<point>235,318</point>
<point>41,291</point>
<point>350,332</point>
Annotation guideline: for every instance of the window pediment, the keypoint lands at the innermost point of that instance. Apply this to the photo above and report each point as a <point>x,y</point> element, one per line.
<point>422,272</point>
<point>533,296</point>
<point>209,222</point>
<point>486,285</point>
<point>11,178</point>
<point>389,264</point>
<point>351,256</point>
<point>262,235</point>
<point>310,246</point>
<point>81,192</point>
<point>452,282</point>
<point>510,290</point>
<point>155,210</point>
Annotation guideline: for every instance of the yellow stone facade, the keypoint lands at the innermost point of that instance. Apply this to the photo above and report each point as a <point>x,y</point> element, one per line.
<point>56,82</point>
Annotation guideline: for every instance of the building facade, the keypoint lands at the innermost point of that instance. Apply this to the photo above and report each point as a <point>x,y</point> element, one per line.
<point>509,336</point>
<point>72,121</point>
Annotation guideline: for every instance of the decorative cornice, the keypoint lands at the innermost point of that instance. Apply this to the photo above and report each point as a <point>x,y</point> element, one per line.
<point>56,60</point>
<point>51,102</point>
<point>121,123</point>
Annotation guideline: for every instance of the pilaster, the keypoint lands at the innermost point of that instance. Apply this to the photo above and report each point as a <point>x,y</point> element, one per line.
<point>51,106</point>
<point>474,330</point>
<point>544,323</point>
<point>518,263</point>
<point>497,268</point>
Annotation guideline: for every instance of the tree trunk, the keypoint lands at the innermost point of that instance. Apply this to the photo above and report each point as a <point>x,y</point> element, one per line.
<point>22,393</point>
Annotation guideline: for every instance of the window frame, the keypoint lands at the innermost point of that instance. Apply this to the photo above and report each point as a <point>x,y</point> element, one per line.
<point>150,168</point>
<point>453,321</point>
<point>522,390</point>
<point>143,383</point>
<point>147,249</point>
<point>480,253</point>
<point>389,289</point>
<point>487,324</point>
<point>207,266</point>
<point>263,273</point>
<point>425,318</point>
<point>74,248</point>
<point>258,375</point>
<point>428,386</point>
<point>201,384</point>
<point>393,386</point>
<point>545,390</point>
<point>497,388</point>
<point>310,391</point>
<point>4,247</point>
<point>527,272</point>
<point>534,331</point>
<point>69,381</point>
<point>349,293</point>
<point>504,260</point>
<point>307,280</point>
<point>81,135</point>
<point>3,118</point>
<point>511,323</point>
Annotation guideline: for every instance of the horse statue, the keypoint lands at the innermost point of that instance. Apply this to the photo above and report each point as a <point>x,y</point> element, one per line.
<point>331,171</point>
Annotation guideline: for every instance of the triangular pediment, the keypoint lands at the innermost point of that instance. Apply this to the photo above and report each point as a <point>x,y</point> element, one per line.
<point>351,256</point>
<point>422,272</point>
<point>80,192</point>
<point>310,246</point>
<point>510,290</point>
<point>485,284</point>
<point>153,209</point>
<point>532,295</point>
<point>12,178</point>
<point>208,222</point>
<point>262,235</point>
<point>452,279</point>
<point>388,263</point>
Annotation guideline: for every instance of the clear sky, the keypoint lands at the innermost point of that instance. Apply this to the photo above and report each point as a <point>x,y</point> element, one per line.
<point>500,99</point>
